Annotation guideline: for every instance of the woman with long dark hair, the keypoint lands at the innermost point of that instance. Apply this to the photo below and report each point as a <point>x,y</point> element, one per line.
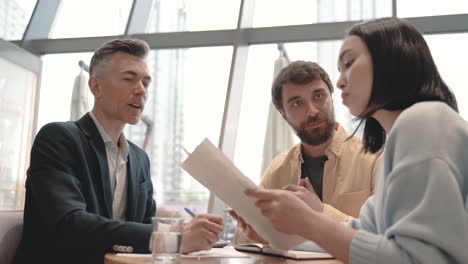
<point>419,212</point>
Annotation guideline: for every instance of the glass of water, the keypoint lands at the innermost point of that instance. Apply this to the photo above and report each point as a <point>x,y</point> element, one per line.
<point>230,226</point>
<point>166,240</point>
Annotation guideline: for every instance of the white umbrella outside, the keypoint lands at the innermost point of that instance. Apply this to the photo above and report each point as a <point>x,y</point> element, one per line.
<point>279,135</point>
<point>79,102</point>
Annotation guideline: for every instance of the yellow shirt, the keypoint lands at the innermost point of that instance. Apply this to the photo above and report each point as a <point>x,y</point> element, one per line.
<point>348,175</point>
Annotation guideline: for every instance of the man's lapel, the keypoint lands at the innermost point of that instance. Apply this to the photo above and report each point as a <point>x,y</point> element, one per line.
<point>133,181</point>
<point>88,127</point>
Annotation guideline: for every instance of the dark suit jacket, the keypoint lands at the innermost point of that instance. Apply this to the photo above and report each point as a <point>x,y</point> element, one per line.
<point>68,209</point>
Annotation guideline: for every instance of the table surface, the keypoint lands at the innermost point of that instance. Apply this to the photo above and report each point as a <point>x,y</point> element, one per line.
<point>112,258</point>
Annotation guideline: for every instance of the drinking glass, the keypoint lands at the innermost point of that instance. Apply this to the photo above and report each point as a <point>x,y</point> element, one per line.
<point>166,240</point>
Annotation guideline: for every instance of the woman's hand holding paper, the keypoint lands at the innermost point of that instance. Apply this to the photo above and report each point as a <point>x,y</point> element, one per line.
<point>248,229</point>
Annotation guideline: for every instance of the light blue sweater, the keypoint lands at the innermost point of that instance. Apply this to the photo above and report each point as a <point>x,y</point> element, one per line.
<point>419,212</point>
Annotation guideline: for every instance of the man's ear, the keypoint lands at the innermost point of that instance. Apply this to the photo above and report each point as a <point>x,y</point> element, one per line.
<point>94,86</point>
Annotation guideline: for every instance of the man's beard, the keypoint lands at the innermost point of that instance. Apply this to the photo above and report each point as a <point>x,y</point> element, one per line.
<point>317,135</point>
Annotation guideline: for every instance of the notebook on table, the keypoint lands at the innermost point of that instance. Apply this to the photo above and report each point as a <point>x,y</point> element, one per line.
<point>292,254</point>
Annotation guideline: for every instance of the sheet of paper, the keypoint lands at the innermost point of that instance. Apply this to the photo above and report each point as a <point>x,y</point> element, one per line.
<point>225,252</point>
<point>212,168</point>
<point>134,255</point>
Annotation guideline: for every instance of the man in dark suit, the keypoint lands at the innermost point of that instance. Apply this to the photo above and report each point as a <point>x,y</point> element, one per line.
<point>88,189</point>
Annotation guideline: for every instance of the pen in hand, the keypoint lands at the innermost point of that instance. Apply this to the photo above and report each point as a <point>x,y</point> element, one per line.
<point>221,243</point>
<point>190,212</point>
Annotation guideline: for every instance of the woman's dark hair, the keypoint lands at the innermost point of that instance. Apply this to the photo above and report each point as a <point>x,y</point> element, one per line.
<point>404,73</point>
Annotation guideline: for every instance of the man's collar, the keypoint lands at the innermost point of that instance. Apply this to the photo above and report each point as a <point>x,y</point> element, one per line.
<point>105,137</point>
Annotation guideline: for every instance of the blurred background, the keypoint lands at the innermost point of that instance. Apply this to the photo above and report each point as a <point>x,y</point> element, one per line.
<point>212,64</point>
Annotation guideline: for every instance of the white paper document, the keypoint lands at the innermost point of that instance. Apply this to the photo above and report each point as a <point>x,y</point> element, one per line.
<point>212,168</point>
<point>226,252</point>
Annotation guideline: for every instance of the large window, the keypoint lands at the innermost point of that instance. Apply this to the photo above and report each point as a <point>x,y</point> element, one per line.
<point>451,63</point>
<point>89,18</point>
<point>192,15</point>
<point>58,76</point>
<point>17,101</point>
<point>416,8</point>
<point>186,105</point>
<point>295,12</point>
<point>14,17</point>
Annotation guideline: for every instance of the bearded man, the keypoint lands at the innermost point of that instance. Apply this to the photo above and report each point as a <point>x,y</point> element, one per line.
<point>328,168</point>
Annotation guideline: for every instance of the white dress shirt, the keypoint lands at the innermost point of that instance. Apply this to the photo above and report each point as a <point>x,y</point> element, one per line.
<point>117,158</point>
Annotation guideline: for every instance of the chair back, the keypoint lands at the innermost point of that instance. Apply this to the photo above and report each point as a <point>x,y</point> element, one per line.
<point>11,229</point>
